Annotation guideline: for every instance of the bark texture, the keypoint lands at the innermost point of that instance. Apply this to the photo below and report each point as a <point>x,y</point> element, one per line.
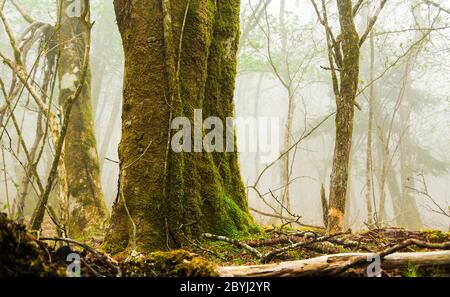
<point>86,209</point>
<point>345,101</point>
<point>179,56</point>
<point>330,264</point>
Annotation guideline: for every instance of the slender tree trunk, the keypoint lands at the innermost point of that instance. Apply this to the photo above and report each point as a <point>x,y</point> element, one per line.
<point>86,207</point>
<point>345,101</point>
<point>285,161</point>
<point>385,168</point>
<point>46,86</point>
<point>323,198</point>
<point>256,112</point>
<point>164,196</point>
<point>27,178</point>
<point>369,160</point>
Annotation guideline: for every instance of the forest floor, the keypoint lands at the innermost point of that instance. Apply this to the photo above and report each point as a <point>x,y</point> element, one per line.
<point>289,244</point>
<point>24,255</point>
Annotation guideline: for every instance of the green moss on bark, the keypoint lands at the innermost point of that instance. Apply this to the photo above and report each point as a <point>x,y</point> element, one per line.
<point>86,209</point>
<point>173,196</point>
<point>179,263</point>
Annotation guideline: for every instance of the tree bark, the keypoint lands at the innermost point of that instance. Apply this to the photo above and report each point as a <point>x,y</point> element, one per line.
<point>329,264</point>
<point>287,83</point>
<point>369,155</point>
<point>85,206</point>
<point>179,56</point>
<point>345,101</point>
<point>411,215</point>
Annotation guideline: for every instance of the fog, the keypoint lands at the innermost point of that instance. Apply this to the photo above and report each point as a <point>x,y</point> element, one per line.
<point>282,69</point>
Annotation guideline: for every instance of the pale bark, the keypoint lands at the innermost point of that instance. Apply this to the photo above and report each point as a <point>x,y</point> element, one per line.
<point>330,264</point>
<point>86,209</point>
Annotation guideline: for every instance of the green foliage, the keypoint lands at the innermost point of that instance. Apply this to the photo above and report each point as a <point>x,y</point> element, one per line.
<point>436,235</point>
<point>263,49</point>
<point>411,271</point>
<point>178,263</point>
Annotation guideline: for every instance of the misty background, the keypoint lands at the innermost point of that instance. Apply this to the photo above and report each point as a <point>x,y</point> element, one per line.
<point>282,73</point>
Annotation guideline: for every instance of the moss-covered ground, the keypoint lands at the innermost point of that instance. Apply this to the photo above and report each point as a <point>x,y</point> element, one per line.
<point>24,255</point>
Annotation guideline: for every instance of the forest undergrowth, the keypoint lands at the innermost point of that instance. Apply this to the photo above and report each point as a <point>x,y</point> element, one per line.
<point>25,254</point>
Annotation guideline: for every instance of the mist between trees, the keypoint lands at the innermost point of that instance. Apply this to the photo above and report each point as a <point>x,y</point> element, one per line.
<point>374,74</point>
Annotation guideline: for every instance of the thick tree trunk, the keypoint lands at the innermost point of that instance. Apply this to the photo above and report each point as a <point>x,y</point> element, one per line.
<point>411,215</point>
<point>164,196</point>
<point>395,194</point>
<point>345,101</point>
<point>86,207</point>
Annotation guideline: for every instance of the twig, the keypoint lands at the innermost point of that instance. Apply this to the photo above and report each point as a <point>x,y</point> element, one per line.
<point>109,261</point>
<point>235,242</point>
<point>284,218</point>
<point>360,260</point>
<point>270,255</point>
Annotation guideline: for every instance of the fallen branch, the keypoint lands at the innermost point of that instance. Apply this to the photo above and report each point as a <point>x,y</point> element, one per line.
<point>102,257</point>
<point>332,264</point>
<point>291,220</point>
<point>235,242</point>
<point>395,248</point>
<point>283,239</point>
<point>270,255</point>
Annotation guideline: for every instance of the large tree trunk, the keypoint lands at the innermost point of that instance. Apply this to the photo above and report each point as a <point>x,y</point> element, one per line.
<point>86,207</point>
<point>411,215</point>
<point>164,196</point>
<point>345,101</point>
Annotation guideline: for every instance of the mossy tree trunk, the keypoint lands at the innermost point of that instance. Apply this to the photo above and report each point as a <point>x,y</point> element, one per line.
<point>86,209</point>
<point>345,102</point>
<point>179,56</point>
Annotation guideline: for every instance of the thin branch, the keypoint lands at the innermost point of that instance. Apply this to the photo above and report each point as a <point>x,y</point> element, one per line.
<point>22,11</point>
<point>357,7</point>
<point>438,6</point>
<point>270,255</point>
<point>372,22</point>
<point>235,242</point>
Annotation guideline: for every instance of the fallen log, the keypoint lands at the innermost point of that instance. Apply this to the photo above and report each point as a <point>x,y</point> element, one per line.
<point>331,264</point>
